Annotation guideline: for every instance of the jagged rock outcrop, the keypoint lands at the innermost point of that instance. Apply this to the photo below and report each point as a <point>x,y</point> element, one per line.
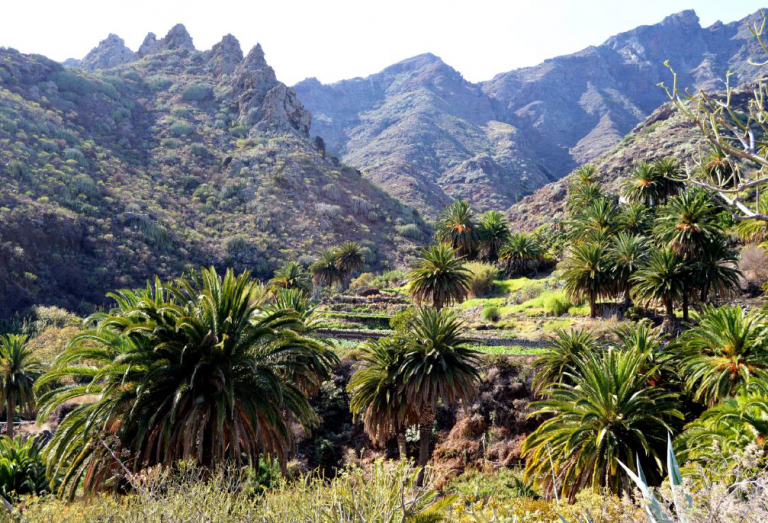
<point>418,126</point>
<point>110,52</point>
<point>262,101</point>
<point>177,38</point>
<point>224,57</point>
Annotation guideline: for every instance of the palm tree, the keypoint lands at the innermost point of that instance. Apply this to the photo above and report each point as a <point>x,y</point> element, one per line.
<point>520,254</point>
<point>587,274</point>
<point>291,276</point>
<point>18,369</point>
<point>440,278</point>
<point>669,172</point>
<point>661,279</point>
<point>564,347</point>
<point>581,195</point>
<point>493,233</point>
<point>325,270</point>
<point>635,219</point>
<point>456,227</point>
<point>626,255</point>
<point>734,424</point>
<point>585,174</point>
<point>723,352</point>
<point>595,221</point>
<point>376,392</point>
<point>688,223</point>
<point>716,271</point>
<point>190,370</point>
<point>349,258</point>
<point>608,414</point>
<point>438,367</point>
<point>645,185</point>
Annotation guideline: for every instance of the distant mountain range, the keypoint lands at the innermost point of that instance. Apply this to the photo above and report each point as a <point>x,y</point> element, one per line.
<point>426,135</point>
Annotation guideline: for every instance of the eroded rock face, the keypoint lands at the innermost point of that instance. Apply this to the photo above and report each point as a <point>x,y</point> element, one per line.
<point>177,38</point>
<point>110,52</point>
<point>262,101</point>
<point>225,56</point>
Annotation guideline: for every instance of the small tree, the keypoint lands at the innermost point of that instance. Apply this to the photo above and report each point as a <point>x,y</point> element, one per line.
<point>18,370</point>
<point>588,273</point>
<point>440,278</point>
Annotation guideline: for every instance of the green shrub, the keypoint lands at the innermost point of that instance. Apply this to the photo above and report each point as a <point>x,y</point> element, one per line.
<point>402,321</point>
<point>179,129</point>
<point>22,470</point>
<point>482,278</point>
<point>556,303</point>
<point>197,93</point>
<point>410,230</point>
<point>390,279</point>
<point>159,82</point>
<point>491,313</point>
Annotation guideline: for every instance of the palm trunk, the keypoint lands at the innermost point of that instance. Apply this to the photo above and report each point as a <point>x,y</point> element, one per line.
<point>685,304</point>
<point>670,306</point>
<point>401,448</point>
<point>627,298</point>
<point>592,305</point>
<point>425,440</point>
<point>704,293</point>
<point>9,411</point>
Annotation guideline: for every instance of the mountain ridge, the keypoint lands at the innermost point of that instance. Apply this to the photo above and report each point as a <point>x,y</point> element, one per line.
<point>529,126</point>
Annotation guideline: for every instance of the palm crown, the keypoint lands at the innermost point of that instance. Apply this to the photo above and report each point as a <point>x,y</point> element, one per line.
<point>440,278</point>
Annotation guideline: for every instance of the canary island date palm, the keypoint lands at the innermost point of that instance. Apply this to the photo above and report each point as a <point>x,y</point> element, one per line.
<point>688,223</point>
<point>457,228</point>
<point>440,277</point>
<point>725,350</point>
<point>581,195</point>
<point>349,258</point>
<point>661,279</point>
<point>439,367</point>
<point>729,427</point>
<point>291,276</point>
<point>18,370</point>
<point>670,173</point>
<point>645,185</point>
<point>595,222</point>
<point>561,353</point>
<point>189,370</point>
<point>635,219</point>
<point>588,274</point>
<point>376,390</point>
<point>626,254</point>
<point>493,232</point>
<point>605,413</point>
<point>520,254</point>
<point>585,174</point>
<point>715,272</point>
<point>325,270</point>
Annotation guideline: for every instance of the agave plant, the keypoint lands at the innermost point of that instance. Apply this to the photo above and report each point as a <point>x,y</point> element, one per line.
<point>724,351</point>
<point>189,370</point>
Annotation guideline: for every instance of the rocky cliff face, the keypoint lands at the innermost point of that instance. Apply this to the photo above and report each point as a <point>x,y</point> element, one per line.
<point>174,159</point>
<point>110,52</point>
<point>417,128</point>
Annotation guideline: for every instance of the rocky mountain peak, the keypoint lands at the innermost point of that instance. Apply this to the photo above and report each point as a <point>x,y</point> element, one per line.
<point>687,18</point>
<point>262,101</point>
<point>225,56</point>
<point>177,38</point>
<point>110,52</point>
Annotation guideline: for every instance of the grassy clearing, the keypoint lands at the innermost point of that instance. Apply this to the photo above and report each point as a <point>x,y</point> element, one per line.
<point>509,350</point>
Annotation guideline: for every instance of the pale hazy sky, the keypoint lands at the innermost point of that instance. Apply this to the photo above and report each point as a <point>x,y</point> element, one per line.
<point>338,39</point>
